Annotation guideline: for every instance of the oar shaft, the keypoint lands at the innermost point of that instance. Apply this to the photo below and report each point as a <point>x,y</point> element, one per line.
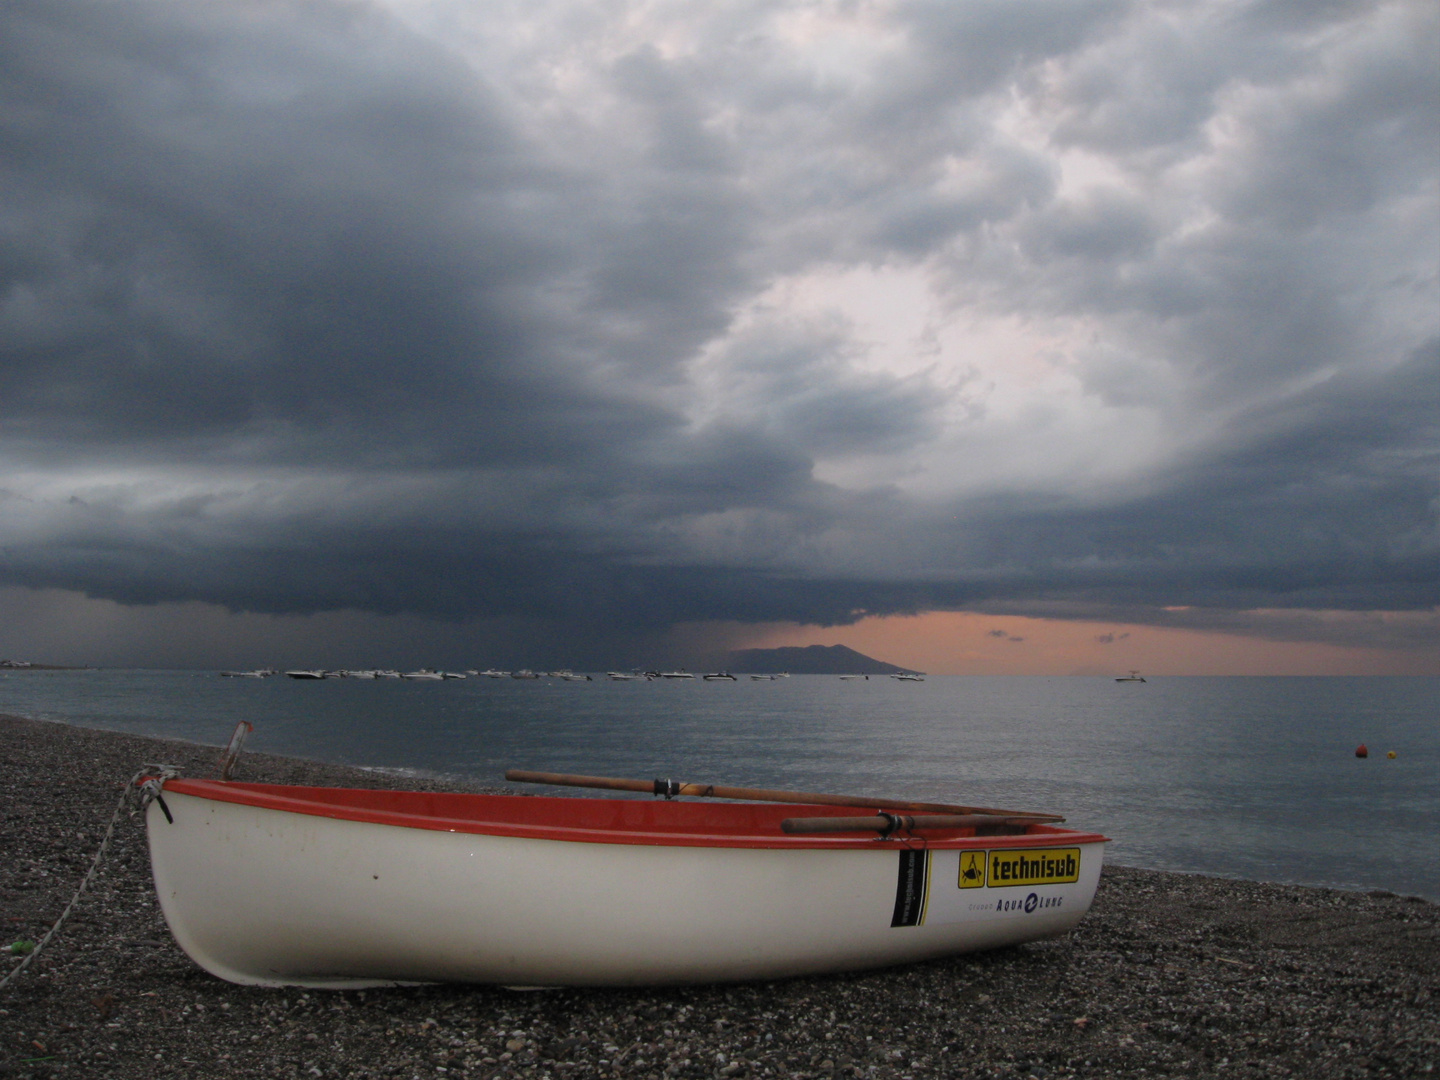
<point>715,791</point>
<point>887,823</point>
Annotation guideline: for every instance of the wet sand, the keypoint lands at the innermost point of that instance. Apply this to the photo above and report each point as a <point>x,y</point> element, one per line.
<point>1170,975</point>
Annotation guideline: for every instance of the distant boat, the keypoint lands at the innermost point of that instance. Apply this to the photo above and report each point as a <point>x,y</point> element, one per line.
<point>718,675</point>
<point>570,676</point>
<point>1134,676</point>
<point>905,676</point>
<point>452,675</point>
<point>491,673</point>
<point>423,673</point>
<point>358,674</point>
<point>306,674</point>
<point>258,673</point>
<point>757,678</point>
<point>855,676</point>
<point>523,673</point>
<point>387,673</point>
<point>625,676</point>
<point>682,674</point>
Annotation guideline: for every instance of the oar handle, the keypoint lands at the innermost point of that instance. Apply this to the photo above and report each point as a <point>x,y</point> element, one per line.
<point>714,791</point>
<point>888,823</point>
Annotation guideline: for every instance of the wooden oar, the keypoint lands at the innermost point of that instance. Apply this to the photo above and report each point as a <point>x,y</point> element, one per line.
<point>713,791</point>
<point>888,823</point>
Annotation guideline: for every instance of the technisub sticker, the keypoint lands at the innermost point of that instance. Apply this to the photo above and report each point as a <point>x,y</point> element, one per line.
<point>1043,866</point>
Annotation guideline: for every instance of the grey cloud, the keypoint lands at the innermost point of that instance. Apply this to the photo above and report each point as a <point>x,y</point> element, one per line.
<point>311,312</point>
<point>1327,500</point>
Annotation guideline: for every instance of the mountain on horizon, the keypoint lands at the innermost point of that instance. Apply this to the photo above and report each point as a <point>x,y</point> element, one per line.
<point>812,660</point>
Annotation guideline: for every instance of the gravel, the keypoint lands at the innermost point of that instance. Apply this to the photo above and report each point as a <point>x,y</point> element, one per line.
<point>1170,975</point>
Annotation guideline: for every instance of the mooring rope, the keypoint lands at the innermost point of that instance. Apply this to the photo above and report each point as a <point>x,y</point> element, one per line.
<point>142,788</point>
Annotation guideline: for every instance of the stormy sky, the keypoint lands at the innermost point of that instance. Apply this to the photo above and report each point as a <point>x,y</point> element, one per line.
<point>557,326</point>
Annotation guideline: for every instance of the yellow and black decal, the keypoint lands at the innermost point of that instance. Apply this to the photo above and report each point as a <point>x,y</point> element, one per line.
<point>1044,866</point>
<point>911,888</point>
<point>972,869</point>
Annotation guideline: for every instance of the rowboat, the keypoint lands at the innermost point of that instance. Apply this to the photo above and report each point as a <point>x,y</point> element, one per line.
<point>281,885</point>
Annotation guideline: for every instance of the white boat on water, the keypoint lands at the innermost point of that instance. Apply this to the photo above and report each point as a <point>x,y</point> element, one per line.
<point>718,676</point>
<point>491,673</point>
<point>765,678</point>
<point>524,673</point>
<point>425,674</point>
<point>1134,676</point>
<point>905,676</point>
<point>276,885</point>
<point>306,673</point>
<point>625,676</point>
<point>676,675</point>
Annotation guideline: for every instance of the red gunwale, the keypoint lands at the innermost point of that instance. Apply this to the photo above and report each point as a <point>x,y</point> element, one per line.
<point>595,820</point>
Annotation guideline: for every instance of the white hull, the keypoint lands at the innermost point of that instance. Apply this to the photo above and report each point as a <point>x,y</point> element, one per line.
<point>266,896</point>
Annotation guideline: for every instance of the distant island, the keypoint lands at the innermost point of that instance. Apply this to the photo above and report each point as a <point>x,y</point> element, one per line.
<point>811,660</point>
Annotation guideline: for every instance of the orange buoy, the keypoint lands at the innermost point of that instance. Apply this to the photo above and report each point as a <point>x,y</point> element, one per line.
<point>1360,751</point>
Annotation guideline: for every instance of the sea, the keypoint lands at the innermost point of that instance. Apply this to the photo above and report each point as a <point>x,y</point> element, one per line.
<point>1252,778</point>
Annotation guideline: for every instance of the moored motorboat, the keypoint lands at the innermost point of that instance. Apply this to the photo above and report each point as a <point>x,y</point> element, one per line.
<point>1134,676</point>
<point>306,674</point>
<point>718,676</point>
<point>340,888</point>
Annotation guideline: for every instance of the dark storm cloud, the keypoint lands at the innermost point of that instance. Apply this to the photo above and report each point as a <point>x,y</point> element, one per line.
<point>308,307</point>
<point>291,234</point>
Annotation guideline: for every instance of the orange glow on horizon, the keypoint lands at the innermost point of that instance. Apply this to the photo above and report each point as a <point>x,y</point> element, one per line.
<point>969,643</point>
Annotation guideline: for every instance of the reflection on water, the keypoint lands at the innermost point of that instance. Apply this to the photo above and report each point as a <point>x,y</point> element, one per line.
<point>1253,777</point>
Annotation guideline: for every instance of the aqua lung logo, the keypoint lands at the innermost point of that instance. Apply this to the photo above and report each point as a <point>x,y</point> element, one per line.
<point>1032,903</point>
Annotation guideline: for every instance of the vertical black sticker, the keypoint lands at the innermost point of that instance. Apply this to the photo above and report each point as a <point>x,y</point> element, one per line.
<point>910,888</point>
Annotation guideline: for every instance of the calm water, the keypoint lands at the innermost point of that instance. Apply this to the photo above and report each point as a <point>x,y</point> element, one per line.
<point>1249,777</point>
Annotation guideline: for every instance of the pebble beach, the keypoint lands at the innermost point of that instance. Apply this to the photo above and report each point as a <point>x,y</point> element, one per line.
<point>1170,975</point>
